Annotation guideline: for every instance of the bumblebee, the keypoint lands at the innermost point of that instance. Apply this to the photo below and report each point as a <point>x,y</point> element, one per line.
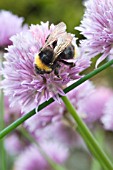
<point>57,48</point>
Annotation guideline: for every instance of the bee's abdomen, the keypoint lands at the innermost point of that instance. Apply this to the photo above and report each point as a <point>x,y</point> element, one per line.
<point>40,67</point>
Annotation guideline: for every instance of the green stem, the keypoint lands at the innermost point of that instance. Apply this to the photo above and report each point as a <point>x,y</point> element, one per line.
<point>15,124</point>
<point>95,165</point>
<point>2,125</point>
<point>99,135</point>
<point>88,137</point>
<point>49,160</point>
<point>92,149</point>
<point>88,76</point>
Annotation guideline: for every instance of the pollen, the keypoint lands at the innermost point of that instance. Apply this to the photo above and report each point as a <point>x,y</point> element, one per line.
<point>41,65</point>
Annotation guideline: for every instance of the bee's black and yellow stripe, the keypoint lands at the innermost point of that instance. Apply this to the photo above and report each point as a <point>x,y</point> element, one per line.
<point>40,65</point>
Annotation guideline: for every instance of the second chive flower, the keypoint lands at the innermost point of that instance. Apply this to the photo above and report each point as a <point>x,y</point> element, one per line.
<point>97,28</point>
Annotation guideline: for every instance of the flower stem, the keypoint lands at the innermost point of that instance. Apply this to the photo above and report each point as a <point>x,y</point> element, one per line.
<point>88,76</point>
<point>15,124</point>
<point>54,165</point>
<point>100,136</point>
<point>88,137</point>
<point>95,165</point>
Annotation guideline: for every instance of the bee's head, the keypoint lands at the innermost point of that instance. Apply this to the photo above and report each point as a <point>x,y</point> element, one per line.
<point>47,56</point>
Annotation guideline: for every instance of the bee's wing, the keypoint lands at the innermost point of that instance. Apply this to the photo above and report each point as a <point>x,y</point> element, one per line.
<point>62,43</point>
<point>55,34</point>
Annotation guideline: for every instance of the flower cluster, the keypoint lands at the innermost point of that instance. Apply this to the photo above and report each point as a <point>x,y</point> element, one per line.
<point>96,27</point>
<point>107,118</point>
<point>93,106</point>
<point>22,84</point>
<point>10,24</point>
<point>11,113</point>
<point>15,143</point>
<point>37,161</point>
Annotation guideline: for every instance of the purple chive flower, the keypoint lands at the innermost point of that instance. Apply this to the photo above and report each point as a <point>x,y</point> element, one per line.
<point>64,133</point>
<point>57,130</point>
<point>107,118</point>
<point>42,124</point>
<point>11,113</point>
<point>31,158</point>
<point>14,144</point>
<point>97,28</point>
<point>21,83</point>
<point>10,24</point>
<point>81,92</point>
<point>92,107</point>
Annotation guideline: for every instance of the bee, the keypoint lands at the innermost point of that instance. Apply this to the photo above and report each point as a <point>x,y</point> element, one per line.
<point>58,48</point>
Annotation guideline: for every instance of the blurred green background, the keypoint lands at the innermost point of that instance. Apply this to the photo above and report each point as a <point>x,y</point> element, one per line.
<point>34,11</point>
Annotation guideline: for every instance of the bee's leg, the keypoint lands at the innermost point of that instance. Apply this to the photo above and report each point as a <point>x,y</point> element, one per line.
<point>56,70</point>
<point>68,63</point>
<point>57,73</point>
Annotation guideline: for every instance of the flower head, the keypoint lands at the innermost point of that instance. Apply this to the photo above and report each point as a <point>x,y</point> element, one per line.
<point>22,84</point>
<point>107,118</point>
<point>96,27</point>
<point>15,143</point>
<point>36,161</point>
<point>11,113</point>
<point>94,104</point>
<point>10,24</point>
